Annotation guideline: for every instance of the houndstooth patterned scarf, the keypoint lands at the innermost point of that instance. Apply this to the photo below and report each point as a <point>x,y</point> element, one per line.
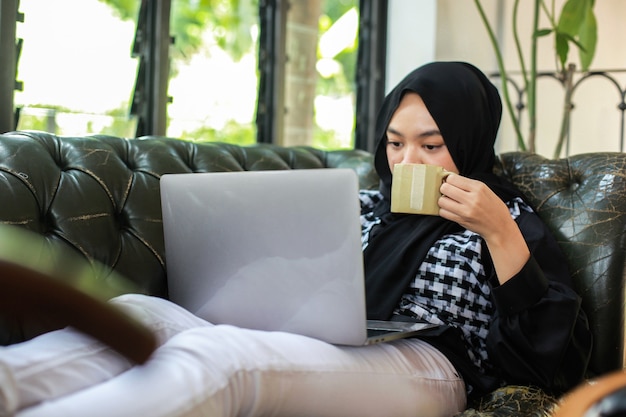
<point>450,287</point>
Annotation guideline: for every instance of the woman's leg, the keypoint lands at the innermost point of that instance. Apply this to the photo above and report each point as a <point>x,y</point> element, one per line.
<point>66,360</point>
<point>228,371</point>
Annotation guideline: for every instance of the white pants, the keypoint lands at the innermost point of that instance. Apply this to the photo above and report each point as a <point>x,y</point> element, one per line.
<point>202,369</point>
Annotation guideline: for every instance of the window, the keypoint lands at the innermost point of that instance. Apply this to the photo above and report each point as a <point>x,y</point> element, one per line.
<point>97,75</point>
<point>320,65</point>
<point>214,79</point>
<point>213,70</point>
<point>308,58</point>
<point>77,73</point>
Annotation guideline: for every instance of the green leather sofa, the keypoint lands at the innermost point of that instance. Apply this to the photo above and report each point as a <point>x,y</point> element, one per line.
<point>97,197</point>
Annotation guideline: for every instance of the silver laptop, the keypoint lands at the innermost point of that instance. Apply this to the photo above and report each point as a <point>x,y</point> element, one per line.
<point>271,250</point>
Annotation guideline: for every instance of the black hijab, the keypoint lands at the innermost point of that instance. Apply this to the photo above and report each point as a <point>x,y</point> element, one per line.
<point>467,109</point>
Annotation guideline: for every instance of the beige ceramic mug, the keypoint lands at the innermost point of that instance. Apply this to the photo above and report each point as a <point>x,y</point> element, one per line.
<point>415,188</point>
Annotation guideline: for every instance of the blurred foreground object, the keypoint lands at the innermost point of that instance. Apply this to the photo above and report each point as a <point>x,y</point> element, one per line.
<point>43,284</point>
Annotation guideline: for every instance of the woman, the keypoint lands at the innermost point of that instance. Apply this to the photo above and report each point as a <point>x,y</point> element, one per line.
<point>486,271</point>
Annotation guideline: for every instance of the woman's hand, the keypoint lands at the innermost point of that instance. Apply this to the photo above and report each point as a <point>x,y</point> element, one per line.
<point>474,206</point>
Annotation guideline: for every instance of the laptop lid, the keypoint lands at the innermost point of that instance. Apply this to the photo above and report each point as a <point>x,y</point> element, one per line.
<point>269,250</point>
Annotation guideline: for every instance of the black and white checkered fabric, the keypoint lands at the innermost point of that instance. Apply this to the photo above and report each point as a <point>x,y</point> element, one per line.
<point>450,286</point>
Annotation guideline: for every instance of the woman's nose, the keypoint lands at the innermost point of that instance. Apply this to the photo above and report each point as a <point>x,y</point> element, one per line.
<point>411,157</point>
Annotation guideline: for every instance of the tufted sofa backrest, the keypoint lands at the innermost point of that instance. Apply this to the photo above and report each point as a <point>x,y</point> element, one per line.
<point>100,196</point>
<point>583,200</point>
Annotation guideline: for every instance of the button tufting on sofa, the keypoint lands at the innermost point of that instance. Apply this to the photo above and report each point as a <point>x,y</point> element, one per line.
<point>99,195</point>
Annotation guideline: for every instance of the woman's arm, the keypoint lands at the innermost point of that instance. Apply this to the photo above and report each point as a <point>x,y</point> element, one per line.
<point>474,206</point>
<point>540,334</point>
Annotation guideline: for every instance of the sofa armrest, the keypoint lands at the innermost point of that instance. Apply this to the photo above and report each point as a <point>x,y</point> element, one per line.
<point>41,284</point>
<point>582,199</point>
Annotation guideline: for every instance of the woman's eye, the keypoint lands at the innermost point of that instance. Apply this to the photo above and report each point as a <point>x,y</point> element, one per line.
<point>432,147</point>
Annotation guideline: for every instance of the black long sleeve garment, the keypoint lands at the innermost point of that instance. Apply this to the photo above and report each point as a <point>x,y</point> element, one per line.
<point>539,335</point>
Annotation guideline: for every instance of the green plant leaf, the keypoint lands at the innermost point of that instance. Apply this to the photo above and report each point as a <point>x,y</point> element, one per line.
<point>562,48</point>
<point>588,36</point>
<point>573,15</point>
<point>570,38</point>
<point>543,32</point>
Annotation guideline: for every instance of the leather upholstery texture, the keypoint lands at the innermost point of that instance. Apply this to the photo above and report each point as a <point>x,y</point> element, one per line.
<point>583,200</point>
<point>99,196</point>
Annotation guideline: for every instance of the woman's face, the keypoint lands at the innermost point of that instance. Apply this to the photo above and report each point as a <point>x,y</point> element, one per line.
<point>413,137</point>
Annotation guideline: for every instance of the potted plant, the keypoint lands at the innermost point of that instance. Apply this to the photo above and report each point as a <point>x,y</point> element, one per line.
<point>575,26</point>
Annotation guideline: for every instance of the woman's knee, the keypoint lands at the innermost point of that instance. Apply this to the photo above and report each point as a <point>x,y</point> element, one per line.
<point>165,318</point>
